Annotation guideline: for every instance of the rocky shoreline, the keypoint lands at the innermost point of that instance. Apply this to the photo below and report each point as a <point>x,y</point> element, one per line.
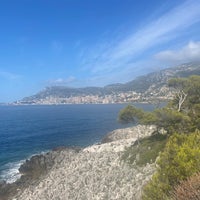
<point>95,172</point>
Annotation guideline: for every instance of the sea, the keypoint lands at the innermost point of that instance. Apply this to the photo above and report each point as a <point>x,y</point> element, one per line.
<point>29,130</point>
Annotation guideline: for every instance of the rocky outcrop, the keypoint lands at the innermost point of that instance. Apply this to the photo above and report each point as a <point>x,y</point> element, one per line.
<point>90,176</point>
<point>93,173</point>
<point>33,170</point>
<point>4,190</point>
<point>138,131</point>
<point>40,164</point>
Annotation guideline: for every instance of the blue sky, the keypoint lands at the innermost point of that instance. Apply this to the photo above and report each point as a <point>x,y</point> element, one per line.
<point>81,43</point>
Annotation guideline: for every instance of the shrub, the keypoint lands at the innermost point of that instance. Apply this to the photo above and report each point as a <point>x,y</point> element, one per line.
<point>147,151</point>
<point>179,160</point>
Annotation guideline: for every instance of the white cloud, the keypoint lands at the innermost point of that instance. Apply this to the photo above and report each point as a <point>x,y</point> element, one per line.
<point>188,53</point>
<point>120,55</point>
<point>160,30</point>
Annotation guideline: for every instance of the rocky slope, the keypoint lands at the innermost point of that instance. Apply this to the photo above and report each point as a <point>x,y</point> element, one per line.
<point>129,133</point>
<point>95,172</point>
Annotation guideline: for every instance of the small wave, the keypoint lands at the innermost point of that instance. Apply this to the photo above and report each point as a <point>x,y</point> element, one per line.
<point>11,172</point>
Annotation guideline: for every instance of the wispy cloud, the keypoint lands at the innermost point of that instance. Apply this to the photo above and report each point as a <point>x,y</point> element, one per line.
<point>62,81</point>
<point>56,46</point>
<point>190,52</point>
<point>9,75</point>
<point>115,57</point>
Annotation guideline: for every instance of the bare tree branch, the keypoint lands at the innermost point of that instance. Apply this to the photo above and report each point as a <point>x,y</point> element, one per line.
<point>182,96</point>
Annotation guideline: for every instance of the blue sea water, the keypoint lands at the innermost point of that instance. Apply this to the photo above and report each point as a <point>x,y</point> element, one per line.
<point>29,130</point>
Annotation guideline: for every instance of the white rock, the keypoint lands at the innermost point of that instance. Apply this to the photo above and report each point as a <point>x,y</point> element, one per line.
<point>96,172</point>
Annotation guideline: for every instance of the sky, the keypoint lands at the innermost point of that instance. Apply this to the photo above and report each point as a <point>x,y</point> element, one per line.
<point>79,43</point>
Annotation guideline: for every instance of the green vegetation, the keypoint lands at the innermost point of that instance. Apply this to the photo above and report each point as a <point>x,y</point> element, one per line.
<point>180,158</point>
<point>147,152</point>
<point>181,115</point>
<point>130,114</point>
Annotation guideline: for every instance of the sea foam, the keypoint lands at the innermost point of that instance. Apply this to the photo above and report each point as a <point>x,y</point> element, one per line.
<point>11,172</point>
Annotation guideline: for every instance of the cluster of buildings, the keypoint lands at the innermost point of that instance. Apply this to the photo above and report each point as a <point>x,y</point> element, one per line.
<point>122,97</point>
<point>85,99</point>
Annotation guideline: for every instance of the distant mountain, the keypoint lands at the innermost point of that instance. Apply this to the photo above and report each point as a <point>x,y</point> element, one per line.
<point>153,84</point>
<point>160,78</point>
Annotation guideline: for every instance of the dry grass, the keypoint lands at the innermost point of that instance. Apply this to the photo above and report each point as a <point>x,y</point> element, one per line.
<point>188,189</point>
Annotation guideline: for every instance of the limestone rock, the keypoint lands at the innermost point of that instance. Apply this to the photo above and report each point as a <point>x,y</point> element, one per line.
<point>127,133</point>
<point>93,173</point>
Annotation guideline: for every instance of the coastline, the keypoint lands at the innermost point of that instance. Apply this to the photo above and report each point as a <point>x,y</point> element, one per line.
<point>86,171</point>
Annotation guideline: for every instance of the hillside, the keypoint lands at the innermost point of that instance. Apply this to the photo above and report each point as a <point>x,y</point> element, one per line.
<point>143,88</point>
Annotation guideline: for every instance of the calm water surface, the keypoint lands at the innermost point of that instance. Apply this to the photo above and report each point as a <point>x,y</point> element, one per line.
<point>28,130</point>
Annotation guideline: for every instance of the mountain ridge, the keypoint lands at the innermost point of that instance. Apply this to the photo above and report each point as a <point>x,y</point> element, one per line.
<point>147,86</point>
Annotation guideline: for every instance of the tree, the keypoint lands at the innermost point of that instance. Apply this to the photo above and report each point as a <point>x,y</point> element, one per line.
<point>181,115</point>
<point>171,120</point>
<point>131,114</point>
<point>181,119</point>
<point>187,92</point>
<point>179,84</point>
